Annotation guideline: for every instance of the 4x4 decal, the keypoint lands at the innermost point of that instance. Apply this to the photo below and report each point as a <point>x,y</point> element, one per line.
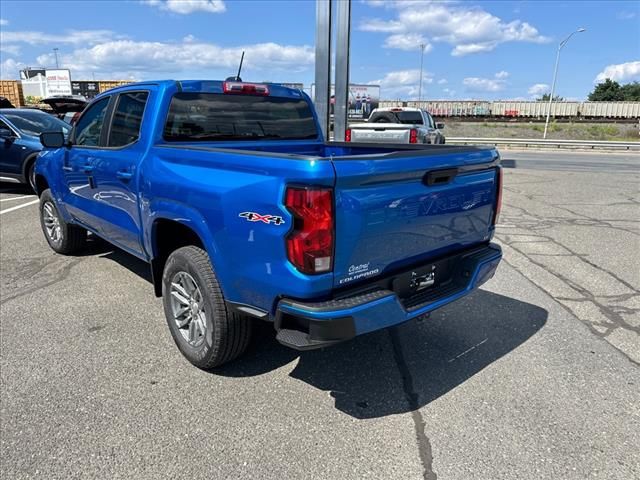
<point>256,217</point>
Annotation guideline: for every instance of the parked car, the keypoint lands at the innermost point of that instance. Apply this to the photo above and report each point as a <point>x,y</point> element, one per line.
<point>20,142</point>
<point>66,108</point>
<point>397,125</point>
<point>6,103</point>
<point>230,193</point>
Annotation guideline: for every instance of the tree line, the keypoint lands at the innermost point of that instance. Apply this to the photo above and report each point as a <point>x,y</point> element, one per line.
<point>607,91</point>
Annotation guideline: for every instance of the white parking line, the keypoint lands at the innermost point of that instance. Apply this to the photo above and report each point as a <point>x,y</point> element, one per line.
<point>15,198</point>
<point>2,212</point>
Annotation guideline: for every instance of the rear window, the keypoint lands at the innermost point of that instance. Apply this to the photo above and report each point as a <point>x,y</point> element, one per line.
<point>224,117</point>
<point>409,117</point>
<point>413,118</point>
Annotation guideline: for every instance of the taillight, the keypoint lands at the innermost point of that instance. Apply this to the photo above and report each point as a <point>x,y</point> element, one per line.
<point>413,136</point>
<point>240,88</point>
<point>347,135</point>
<point>310,243</point>
<point>498,196</point>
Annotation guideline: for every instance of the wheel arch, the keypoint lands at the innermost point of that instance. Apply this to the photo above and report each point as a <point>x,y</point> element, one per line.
<point>28,160</point>
<point>41,184</point>
<point>167,235</point>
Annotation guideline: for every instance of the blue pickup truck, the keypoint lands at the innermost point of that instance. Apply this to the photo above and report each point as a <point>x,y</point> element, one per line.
<point>243,211</point>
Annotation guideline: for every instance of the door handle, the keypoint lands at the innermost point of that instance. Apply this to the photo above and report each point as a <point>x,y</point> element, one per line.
<point>88,169</point>
<point>67,168</point>
<point>124,175</point>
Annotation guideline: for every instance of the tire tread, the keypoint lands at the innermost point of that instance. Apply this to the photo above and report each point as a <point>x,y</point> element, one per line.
<point>232,331</point>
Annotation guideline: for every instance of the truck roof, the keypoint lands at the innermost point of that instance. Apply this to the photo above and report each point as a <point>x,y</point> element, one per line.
<point>206,86</point>
<point>398,109</point>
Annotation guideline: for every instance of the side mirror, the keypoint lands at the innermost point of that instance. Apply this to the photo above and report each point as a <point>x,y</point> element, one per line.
<point>439,126</point>
<point>52,139</point>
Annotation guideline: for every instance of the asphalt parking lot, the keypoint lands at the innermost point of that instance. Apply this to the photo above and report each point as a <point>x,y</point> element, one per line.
<point>534,376</point>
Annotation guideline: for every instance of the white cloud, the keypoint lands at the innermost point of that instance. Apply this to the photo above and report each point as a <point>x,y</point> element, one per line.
<point>185,7</point>
<point>403,77</point>
<point>462,50</point>
<point>621,72</point>
<point>626,15</point>
<point>10,69</point>
<point>403,83</point>
<point>442,81</point>
<point>538,89</point>
<point>408,41</point>
<point>449,92</point>
<point>478,84</point>
<point>147,59</point>
<point>10,49</point>
<point>468,29</point>
<point>3,22</point>
<point>72,37</point>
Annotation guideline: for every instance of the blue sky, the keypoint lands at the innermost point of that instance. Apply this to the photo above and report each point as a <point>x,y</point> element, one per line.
<point>486,50</point>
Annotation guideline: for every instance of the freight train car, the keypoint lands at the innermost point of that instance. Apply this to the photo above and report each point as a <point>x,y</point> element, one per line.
<point>523,109</point>
<point>610,109</point>
<point>534,109</point>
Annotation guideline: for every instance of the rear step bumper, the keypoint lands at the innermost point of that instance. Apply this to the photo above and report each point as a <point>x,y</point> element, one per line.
<point>309,325</point>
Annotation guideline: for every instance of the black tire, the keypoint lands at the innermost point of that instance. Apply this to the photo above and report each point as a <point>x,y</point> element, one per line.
<point>227,334</point>
<point>30,174</point>
<point>70,238</point>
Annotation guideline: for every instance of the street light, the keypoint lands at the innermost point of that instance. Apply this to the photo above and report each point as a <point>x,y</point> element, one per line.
<point>55,52</point>
<point>555,73</point>
<point>422,47</point>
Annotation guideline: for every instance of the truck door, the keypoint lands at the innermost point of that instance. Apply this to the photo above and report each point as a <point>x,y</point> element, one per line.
<point>79,162</point>
<point>11,150</point>
<point>115,192</point>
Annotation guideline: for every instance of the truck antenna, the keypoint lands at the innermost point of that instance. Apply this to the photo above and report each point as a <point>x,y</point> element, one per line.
<point>238,79</point>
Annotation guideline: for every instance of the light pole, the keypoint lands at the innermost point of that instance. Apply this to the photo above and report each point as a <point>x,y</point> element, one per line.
<point>55,52</point>
<point>422,45</point>
<point>555,73</point>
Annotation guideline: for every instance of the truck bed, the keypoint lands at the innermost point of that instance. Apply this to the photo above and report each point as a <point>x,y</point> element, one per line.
<point>333,150</point>
<point>395,204</point>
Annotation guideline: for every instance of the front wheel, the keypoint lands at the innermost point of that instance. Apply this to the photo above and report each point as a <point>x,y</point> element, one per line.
<point>31,175</point>
<point>61,236</point>
<point>204,331</point>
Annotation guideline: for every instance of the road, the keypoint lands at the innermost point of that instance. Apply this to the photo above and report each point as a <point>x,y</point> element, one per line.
<point>576,161</point>
<point>534,376</point>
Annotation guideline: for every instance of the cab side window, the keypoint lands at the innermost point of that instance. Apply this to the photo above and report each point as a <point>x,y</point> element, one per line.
<point>127,118</point>
<point>430,121</point>
<point>89,127</point>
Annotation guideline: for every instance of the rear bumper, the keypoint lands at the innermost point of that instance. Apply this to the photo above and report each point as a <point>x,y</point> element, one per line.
<point>308,325</point>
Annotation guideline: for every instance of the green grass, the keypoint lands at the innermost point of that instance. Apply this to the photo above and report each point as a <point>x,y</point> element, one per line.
<point>557,130</point>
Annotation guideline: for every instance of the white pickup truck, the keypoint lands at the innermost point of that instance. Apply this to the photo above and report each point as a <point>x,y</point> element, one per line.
<point>397,125</point>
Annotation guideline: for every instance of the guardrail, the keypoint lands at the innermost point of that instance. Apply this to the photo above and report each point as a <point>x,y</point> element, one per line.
<point>548,143</point>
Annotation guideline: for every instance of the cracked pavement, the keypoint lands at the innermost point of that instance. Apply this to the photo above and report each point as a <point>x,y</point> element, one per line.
<point>577,236</point>
<point>534,376</point>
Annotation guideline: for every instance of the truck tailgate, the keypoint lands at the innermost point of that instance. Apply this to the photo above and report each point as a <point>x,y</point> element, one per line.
<point>380,134</point>
<point>401,210</point>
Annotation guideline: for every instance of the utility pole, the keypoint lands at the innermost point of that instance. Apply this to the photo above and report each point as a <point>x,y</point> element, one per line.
<point>55,52</point>
<point>422,47</point>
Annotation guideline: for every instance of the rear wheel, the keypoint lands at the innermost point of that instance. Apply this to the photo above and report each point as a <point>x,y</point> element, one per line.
<point>61,236</point>
<point>204,331</point>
